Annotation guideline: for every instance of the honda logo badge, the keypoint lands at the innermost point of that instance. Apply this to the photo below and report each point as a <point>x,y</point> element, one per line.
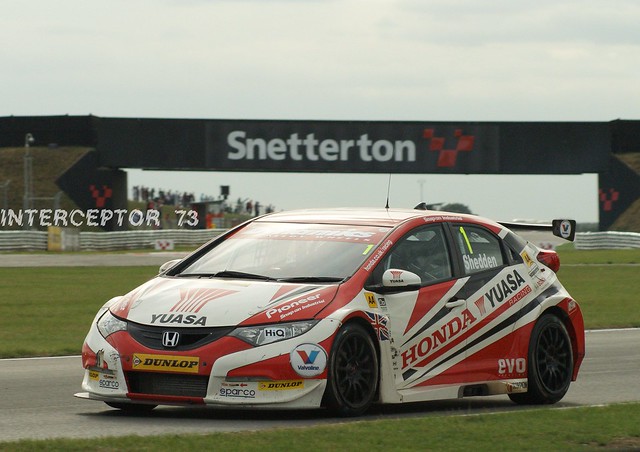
<point>170,338</point>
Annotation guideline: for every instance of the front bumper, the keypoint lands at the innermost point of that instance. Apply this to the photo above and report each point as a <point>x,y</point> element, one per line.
<point>226,373</point>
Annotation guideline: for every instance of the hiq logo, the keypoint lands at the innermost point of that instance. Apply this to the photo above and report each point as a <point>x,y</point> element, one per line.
<point>308,360</point>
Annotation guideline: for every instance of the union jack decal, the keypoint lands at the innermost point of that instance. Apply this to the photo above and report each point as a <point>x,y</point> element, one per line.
<point>379,323</point>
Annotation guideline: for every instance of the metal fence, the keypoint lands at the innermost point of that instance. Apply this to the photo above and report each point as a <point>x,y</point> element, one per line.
<point>108,241</point>
<point>23,240</point>
<point>111,241</point>
<point>607,240</point>
<point>144,239</point>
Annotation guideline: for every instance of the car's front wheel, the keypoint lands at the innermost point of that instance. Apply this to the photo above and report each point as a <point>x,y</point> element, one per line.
<point>353,372</point>
<point>550,364</point>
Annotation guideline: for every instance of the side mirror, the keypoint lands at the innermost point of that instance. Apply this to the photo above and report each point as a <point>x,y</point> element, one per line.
<point>395,280</point>
<point>167,265</point>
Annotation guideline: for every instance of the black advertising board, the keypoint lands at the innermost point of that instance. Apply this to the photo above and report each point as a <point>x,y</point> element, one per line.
<point>393,147</point>
<point>618,189</point>
<point>355,146</point>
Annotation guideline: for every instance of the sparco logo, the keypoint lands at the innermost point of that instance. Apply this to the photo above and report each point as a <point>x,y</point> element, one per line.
<point>235,392</point>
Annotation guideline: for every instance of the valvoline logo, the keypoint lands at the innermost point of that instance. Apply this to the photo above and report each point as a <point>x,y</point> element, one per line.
<point>308,360</point>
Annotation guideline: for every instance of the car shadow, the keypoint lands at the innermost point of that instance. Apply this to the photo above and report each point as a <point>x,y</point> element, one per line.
<point>455,407</point>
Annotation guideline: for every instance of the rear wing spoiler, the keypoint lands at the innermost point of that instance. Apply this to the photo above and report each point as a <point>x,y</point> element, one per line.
<point>565,229</point>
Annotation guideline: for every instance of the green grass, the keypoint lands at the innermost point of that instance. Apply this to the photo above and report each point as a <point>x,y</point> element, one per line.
<point>570,256</point>
<point>59,304</point>
<point>47,311</point>
<point>607,294</point>
<point>606,284</point>
<point>589,428</point>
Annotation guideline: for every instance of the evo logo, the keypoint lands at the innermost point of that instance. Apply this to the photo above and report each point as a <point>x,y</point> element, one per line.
<point>308,360</point>
<point>512,366</point>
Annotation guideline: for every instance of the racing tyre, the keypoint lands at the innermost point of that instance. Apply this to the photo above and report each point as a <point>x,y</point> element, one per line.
<point>550,363</point>
<point>132,408</point>
<point>353,372</point>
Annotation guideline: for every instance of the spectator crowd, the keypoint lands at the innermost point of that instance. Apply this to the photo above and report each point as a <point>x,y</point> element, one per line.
<point>156,198</point>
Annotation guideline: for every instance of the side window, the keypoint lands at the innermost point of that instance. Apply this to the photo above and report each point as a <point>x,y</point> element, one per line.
<point>515,244</point>
<point>424,252</point>
<point>479,248</point>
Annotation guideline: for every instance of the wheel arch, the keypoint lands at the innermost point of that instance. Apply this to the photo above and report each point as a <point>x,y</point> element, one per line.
<point>573,335</point>
<point>358,318</point>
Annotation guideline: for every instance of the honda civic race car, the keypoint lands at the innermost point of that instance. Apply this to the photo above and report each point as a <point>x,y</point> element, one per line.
<point>343,308</point>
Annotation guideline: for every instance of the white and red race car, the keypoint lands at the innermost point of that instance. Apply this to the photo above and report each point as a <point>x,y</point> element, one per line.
<point>342,308</point>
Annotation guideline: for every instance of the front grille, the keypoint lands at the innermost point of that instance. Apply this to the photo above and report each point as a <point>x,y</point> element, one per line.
<point>190,338</point>
<point>167,384</point>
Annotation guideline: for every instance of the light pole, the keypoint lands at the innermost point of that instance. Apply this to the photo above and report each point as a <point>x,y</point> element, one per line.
<point>421,183</point>
<point>28,172</point>
<point>5,194</point>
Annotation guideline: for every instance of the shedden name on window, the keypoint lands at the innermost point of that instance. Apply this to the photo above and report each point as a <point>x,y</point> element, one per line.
<point>313,149</point>
<point>480,262</point>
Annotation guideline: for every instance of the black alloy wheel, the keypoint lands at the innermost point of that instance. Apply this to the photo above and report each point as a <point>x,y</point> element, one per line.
<point>550,363</point>
<point>353,372</point>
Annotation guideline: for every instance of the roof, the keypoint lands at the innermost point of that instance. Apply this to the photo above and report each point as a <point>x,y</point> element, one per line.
<point>354,216</point>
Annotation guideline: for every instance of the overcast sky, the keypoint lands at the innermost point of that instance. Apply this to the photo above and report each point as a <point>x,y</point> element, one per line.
<point>444,60</point>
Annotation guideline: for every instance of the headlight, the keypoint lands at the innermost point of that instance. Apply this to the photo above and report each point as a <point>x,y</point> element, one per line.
<point>108,324</point>
<point>266,334</point>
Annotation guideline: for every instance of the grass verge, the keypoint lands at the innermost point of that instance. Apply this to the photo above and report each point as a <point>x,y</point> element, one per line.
<point>606,284</point>
<point>46,311</point>
<point>570,256</point>
<point>607,294</point>
<point>588,428</point>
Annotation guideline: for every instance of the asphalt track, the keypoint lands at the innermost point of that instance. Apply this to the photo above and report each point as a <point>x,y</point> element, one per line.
<point>36,399</point>
<point>36,394</point>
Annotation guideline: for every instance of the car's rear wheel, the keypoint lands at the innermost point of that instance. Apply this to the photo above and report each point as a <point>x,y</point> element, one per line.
<point>550,363</point>
<point>353,372</point>
<point>133,408</point>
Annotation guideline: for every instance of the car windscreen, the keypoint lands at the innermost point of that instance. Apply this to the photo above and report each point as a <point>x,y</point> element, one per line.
<point>289,252</point>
